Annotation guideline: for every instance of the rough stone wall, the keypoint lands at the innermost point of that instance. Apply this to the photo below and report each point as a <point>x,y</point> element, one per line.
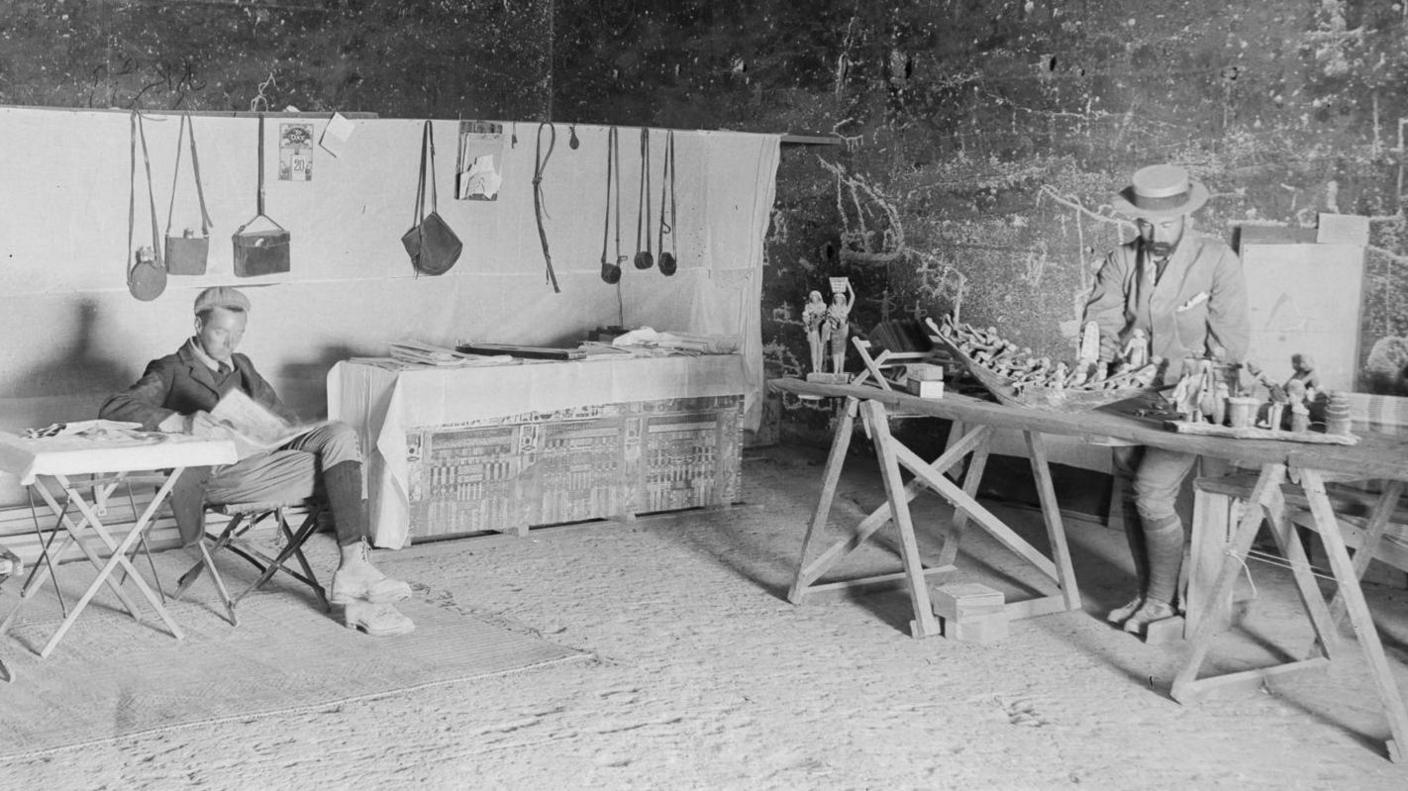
<point>983,136</point>
<point>396,58</point>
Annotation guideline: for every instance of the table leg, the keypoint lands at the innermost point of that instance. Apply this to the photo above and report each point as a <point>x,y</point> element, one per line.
<point>972,479</point>
<point>877,519</point>
<point>1294,552</point>
<point>1185,684</point>
<point>925,623</point>
<point>118,558</point>
<point>1055,528</point>
<point>1358,610</point>
<point>75,532</point>
<point>835,460</point>
<point>1378,525</point>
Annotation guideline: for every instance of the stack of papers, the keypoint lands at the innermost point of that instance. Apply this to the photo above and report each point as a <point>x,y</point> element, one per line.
<point>419,353</point>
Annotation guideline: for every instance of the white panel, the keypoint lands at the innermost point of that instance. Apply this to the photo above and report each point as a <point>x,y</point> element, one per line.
<point>1305,298</point>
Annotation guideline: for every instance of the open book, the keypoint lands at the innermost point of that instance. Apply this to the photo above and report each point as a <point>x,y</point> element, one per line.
<point>252,426</point>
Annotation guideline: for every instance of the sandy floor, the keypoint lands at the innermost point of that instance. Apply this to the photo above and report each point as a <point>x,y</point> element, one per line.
<point>705,677</point>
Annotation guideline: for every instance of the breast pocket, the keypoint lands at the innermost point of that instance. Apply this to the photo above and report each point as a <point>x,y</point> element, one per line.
<point>1190,321</point>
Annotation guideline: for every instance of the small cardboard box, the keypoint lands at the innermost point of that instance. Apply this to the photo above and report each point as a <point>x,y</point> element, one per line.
<point>985,629</point>
<point>924,372</point>
<point>961,601</point>
<point>925,388</point>
<point>829,379</point>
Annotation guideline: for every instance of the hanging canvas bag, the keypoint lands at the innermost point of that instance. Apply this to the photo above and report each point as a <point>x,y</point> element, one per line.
<point>263,252</point>
<point>431,244</point>
<point>186,254</point>
<point>146,275</point>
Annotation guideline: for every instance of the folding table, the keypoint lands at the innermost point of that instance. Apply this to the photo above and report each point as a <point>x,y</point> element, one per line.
<point>47,464</point>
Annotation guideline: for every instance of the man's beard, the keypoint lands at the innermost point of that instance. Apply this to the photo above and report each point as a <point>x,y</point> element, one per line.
<point>1160,249</point>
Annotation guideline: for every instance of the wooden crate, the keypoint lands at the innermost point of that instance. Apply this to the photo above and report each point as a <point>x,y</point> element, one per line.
<point>532,469</point>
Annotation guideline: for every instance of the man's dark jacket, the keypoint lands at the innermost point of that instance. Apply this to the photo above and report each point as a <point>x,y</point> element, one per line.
<point>182,383</point>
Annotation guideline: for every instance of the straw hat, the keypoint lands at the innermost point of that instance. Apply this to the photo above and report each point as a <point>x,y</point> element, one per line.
<point>1160,191</point>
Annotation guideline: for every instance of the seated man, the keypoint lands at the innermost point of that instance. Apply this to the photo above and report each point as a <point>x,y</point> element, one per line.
<point>175,395</point>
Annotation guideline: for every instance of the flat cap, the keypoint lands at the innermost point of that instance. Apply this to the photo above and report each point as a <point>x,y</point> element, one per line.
<point>221,297</point>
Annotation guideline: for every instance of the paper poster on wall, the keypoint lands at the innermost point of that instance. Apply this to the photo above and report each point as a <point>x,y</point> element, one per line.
<point>336,134</point>
<point>479,164</point>
<point>296,152</point>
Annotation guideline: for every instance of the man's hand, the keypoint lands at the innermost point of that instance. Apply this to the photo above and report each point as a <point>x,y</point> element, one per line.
<point>175,423</point>
<point>203,425</point>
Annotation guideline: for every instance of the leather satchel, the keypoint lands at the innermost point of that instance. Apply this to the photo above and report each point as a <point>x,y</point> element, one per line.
<point>431,244</point>
<point>146,275</point>
<point>186,254</point>
<point>264,252</point>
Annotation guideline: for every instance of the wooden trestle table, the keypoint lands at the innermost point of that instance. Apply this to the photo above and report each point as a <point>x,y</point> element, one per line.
<point>1376,456</point>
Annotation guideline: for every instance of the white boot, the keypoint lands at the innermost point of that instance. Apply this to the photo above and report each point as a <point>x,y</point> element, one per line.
<point>358,580</point>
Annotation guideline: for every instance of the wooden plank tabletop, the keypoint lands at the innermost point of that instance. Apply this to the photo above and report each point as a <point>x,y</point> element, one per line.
<point>1376,456</point>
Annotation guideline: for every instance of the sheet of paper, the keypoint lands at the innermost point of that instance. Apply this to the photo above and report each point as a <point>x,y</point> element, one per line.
<point>253,427</point>
<point>336,134</point>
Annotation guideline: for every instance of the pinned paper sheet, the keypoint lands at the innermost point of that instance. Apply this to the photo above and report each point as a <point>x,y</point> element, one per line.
<point>336,134</point>
<point>479,164</point>
<point>481,181</point>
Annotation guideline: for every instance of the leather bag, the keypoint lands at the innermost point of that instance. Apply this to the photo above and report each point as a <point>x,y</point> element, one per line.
<point>262,252</point>
<point>431,244</point>
<point>186,253</point>
<point>146,275</point>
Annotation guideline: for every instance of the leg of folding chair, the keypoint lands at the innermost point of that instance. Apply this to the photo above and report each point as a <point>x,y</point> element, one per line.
<point>219,583</point>
<point>293,548</point>
<point>193,573</point>
<point>309,525</point>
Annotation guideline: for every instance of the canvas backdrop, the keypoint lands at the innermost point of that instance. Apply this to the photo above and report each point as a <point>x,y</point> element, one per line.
<point>73,333</point>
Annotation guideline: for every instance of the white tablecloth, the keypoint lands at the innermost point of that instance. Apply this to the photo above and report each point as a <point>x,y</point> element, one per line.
<point>78,455</point>
<point>383,404</point>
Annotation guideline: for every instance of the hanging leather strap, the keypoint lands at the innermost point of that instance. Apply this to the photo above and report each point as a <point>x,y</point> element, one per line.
<point>540,165</point>
<point>606,216</point>
<point>261,166</point>
<point>419,215</point>
<point>667,190</point>
<point>175,174</point>
<point>241,230</point>
<point>138,130</point>
<point>430,139</point>
<point>643,212</point>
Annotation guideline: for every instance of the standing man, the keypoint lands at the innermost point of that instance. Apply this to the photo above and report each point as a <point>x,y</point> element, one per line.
<point>1185,292</point>
<point>175,395</point>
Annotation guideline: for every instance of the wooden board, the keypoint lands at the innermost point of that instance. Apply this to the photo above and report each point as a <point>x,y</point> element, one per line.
<point>1314,437</point>
<point>530,352</point>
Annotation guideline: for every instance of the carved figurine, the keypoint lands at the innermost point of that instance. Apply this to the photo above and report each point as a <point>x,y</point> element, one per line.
<point>838,328</point>
<point>1136,349</point>
<point>813,321</point>
<point>1303,366</point>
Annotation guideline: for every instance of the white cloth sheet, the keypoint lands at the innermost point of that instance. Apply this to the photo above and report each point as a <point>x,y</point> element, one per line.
<point>351,289</point>
<point>384,404</point>
<point>77,455</point>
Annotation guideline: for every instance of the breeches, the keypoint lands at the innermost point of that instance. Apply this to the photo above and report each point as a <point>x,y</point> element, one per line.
<point>286,475</point>
<point>1157,475</point>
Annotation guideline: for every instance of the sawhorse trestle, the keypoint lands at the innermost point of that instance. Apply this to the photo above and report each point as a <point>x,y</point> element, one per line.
<point>892,456</point>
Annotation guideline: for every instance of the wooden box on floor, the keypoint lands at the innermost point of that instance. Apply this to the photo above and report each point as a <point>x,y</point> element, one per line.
<point>507,474</point>
<point>971,612</point>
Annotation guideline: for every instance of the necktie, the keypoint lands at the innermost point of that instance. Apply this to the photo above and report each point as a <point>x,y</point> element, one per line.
<point>224,370</point>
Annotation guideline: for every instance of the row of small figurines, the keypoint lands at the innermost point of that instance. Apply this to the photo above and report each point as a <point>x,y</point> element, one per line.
<point>1210,392</point>
<point>1023,370</point>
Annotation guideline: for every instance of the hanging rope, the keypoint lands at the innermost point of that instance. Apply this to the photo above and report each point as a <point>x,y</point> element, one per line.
<point>539,212</point>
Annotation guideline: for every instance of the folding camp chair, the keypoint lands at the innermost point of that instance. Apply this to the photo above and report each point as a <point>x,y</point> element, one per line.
<point>243,518</point>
